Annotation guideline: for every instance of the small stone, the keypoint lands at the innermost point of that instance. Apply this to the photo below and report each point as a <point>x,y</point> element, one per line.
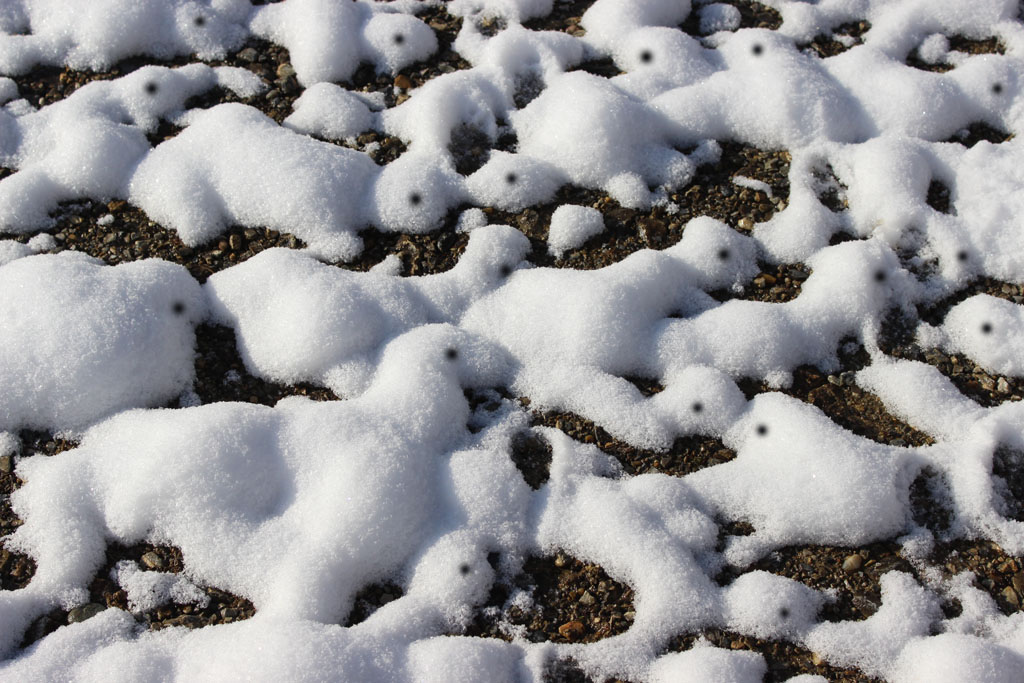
<point>285,70</point>
<point>834,379</point>
<point>1002,386</point>
<point>247,55</point>
<point>1018,582</point>
<point>272,94</point>
<point>152,561</point>
<point>1010,596</point>
<point>572,630</point>
<point>987,383</point>
<point>561,560</point>
<point>653,230</point>
<point>235,242</point>
<point>587,599</point>
<point>6,464</point>
<point>798,274</point>
<point>852,563</point>
<point>816,659</point>
<point>84,612</point>
<point>629,616</point>
<point>745,224</point>
<point>110,239</point>
<point>737,644</point>
<point>402,81</point>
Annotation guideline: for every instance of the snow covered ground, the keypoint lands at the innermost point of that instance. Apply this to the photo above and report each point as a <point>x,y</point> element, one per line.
<point>299,506</point>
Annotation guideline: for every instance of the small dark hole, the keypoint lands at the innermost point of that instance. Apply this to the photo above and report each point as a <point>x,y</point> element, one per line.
<point>200,21</point>
<point>506,270</point>
<point>879,276</point>
<point>697,407</point>
<point>646,57</point>
<point>784,613</point>
<point>399,39</point>
<point>178,308</point>
<point>986,328</point>
<point>762,430</point>
<point>151,88</point>
<point>757,49</point>
<point>997,88</point>
<point>415,199</point>
<point>463,569</point>
<point>451,353</point>
<point>511,178</point>
<point>961,255</point>
<point>723,254</point>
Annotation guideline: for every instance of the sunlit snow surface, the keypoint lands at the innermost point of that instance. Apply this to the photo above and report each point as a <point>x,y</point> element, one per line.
<point>298,506</point>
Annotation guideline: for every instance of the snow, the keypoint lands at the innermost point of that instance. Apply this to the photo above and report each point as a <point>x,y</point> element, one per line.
<point>298,506</point>
<point>571,226</point>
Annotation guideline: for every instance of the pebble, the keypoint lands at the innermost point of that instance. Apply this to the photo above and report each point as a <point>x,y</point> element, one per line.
<point>816,659</point>
<point>587,599</point>
<point>235,242</point>
<point>561,560</point>
<point>402,81</point>
<point>852,563</point>
<point>285,70</point>
<point>84,612</point>
<point>653,230</point>
<point>572,630</point>
<point>987,383</point>
<point>1002,386</point>
<point>6,464</point>
<point>1011,596</point>
<point>247,55</point>
<point>745,224</point>
<point>152,561</point>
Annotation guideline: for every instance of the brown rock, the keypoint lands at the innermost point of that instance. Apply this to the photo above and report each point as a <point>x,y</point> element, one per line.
<point>572,630</point>
<point>653,230</point>
<point>402,81</point>
<point>152,561</point>
<point>852,563</point>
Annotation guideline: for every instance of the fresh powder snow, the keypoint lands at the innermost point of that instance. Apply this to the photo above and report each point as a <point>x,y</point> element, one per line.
<point>299,506</point>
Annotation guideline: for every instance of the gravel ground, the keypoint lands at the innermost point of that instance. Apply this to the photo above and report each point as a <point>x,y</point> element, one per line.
<point>569,600</point>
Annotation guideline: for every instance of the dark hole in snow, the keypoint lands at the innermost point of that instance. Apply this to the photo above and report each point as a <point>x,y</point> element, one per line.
<point>879,276</point>
<point>997,88</point>
<point>783,613</point>
<point>961,256</point>
<point>399,39</point>
<point>757,49</point>
<point>697,407</point>
<point>511,178</point>
<point>723,254</point>
<point>506,270</point>
<point>178,307</point>
<point>151,88</point>
<point>451,353</point>
<point>464,569</point>
<point>646,57</point>
<point>200,21</point>
<point>986,328</point>
<point>415,199</point>
<point>762,430</point>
